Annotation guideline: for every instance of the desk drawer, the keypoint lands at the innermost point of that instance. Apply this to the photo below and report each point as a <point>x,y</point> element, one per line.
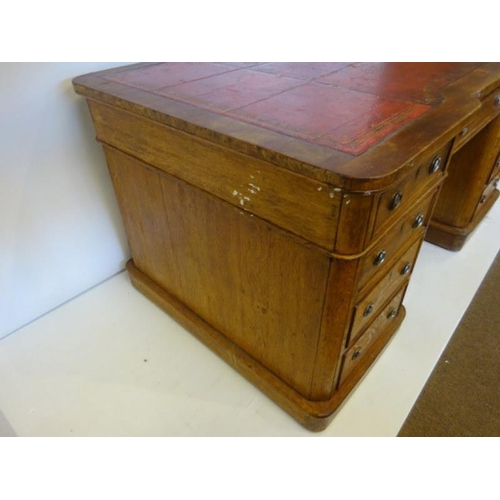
<point>487,193</point>
<point>370,305</point>
<point>397,199</point>
<point>489,109</point>
<point>358,350</point>
<point>382,254</point>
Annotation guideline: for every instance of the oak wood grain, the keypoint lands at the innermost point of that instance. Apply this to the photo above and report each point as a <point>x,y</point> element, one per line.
<point>231,269</point>
<point>468,173</point>
<point>369,305</point>
<point>454,238</point>
<point>258,198</point>
<point>301,205</point>
<point>361,346</point>
<point>314,415</point>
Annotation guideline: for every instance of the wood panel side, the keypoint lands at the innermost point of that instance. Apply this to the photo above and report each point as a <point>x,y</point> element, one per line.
<point>255,284</point>
<point>355,222</point>
<point>296,203</point>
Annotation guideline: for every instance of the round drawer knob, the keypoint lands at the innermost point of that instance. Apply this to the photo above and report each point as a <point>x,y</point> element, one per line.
<point>368,310</point>
<point>392,314</point>
<point>419,220</point>
<point>396,200</point>
<point>435,165</point>
<point>497,100</point>
<point>380,258</point>
<point>406,269</point>
<point>464,131</point>
<point>495,184</point>
<point>356,353</point>
<point>483,199</point>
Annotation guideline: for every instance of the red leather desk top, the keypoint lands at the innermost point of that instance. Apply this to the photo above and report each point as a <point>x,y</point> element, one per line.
<point>347,107</point>
<point>353,125</point>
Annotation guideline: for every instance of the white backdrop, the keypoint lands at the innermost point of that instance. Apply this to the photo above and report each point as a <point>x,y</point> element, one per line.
<point>60,228</point>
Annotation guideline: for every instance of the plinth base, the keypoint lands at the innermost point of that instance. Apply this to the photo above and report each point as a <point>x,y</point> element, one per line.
<point>314,415</point>
<point>454,238</point>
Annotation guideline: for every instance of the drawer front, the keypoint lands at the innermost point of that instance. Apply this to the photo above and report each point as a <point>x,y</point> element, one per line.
<point>371,304</point>
<point>487,193</point>
<point>489,109</point>
<point>382,254</point>
<point>397,199</point>
<point>357,351</point>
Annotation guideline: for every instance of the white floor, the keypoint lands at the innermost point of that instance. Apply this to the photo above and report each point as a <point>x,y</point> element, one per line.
<point>110,363</point>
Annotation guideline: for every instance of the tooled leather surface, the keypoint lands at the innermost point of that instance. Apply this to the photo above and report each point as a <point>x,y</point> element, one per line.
<point>348,107</point>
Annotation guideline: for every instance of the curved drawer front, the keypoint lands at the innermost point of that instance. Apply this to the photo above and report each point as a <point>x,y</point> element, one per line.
<point>370,305</point>
<point>358,350</point>
<point>397,199</point>
<point>382,255</point>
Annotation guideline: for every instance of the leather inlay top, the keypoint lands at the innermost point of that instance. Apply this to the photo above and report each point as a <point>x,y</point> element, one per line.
<point>348,107</point>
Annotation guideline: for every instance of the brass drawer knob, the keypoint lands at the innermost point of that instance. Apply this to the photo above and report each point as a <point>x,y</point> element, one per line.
<point>464,131</point>
<point>392,314</point>
<point>497,100</point>
<point>396,200</point>
<point>419,220</point>
<point>406,269</point>
<point>435,165</point>
<point>368,310</point>
<point>356,353</point>
<point>380,258</point>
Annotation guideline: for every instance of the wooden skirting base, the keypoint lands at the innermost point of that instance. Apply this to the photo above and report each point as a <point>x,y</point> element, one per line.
<point>454,238</point>
<point>314,415</point>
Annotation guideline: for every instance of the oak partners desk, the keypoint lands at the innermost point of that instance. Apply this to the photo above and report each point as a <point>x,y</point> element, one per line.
<point>276,210</point>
